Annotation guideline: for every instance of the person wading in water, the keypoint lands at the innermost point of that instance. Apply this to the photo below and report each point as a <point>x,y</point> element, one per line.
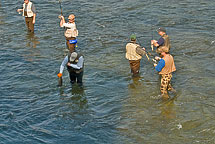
<point>165,67</point>
<point>163,42</point>
<point>75,67</point>
<point>71,31</point>
<point>132,55</point>
<point>29,12</point>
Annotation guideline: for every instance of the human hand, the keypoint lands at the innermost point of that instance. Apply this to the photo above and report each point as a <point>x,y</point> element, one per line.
<point>18,10</point>
<point>143,48</point>
<point>33,21</point>
<point>68,64</point>
<point>152,41</point>
<point>154,60</point>
<point>59,75</point>
<point>155,64</point>
<point>157,58</point>
<point>61,17</point>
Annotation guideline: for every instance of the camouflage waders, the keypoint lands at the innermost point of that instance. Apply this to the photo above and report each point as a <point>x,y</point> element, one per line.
<point>165,83</point>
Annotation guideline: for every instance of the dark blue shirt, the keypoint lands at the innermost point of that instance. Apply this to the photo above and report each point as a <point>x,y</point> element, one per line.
<point>161,41</point>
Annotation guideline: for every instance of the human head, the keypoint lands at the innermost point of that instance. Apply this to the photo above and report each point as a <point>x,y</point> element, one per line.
<point>73,56</point>
<point>71,17</point>
<point>161,30</point>
<point>164,50</point>
<point>133,37</point>
<point>26,1</point>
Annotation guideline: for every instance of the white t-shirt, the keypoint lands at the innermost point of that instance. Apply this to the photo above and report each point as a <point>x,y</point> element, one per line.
<point>69,25</point>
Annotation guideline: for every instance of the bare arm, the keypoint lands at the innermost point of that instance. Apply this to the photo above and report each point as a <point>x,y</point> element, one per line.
<point>155,43</point>
<point>62,21</point>
<point>34,18</point>
<point>19,10</point>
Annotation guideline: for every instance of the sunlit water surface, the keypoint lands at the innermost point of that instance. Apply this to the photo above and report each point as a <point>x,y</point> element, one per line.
<point>112,107</point>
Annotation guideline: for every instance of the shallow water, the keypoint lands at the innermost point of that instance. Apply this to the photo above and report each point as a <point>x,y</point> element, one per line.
<point>112,107</point>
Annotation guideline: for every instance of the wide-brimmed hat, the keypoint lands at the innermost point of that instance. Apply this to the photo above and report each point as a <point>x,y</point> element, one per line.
<point>73,56</point>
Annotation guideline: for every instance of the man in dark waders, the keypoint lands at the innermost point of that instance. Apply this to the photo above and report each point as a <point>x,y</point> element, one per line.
<point>133,56</point>
<point>29,12</point>
<point>71,31</point>
<point>165,67</point>
<point>163,43</point>
<point>75,67</point>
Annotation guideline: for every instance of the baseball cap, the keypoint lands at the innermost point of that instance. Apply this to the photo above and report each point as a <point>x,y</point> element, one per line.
<point>133,37</point>
<point>73,56</point>
<point>161,29</point>
<point>72,16</point>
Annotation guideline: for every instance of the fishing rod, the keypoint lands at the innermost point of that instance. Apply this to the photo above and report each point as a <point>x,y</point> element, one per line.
<point>145,49</point>
<point>147,53</point>
<point>152,46</point>
<point>60,7</point>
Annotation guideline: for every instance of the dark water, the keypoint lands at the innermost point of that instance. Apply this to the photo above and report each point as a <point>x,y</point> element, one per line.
<point>112,107</point>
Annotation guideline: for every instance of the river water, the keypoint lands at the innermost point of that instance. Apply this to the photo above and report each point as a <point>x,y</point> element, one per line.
<point>112,107</point>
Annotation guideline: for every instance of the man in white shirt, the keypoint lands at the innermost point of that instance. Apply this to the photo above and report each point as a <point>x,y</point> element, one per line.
<point>71,31</point>
<point>29,12</point>
<point>132,55</point>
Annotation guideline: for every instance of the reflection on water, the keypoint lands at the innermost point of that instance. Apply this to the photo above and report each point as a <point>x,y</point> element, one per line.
<point>1,15</point>
<point>167,109</point>
<point>75,94</point>
<point>135,84</point>
<point>74,90</point>
<point>73,101</point>
<point>133,114</point>
<point>141,114</point>
<point>1,21</point>
<point>32,40</point>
